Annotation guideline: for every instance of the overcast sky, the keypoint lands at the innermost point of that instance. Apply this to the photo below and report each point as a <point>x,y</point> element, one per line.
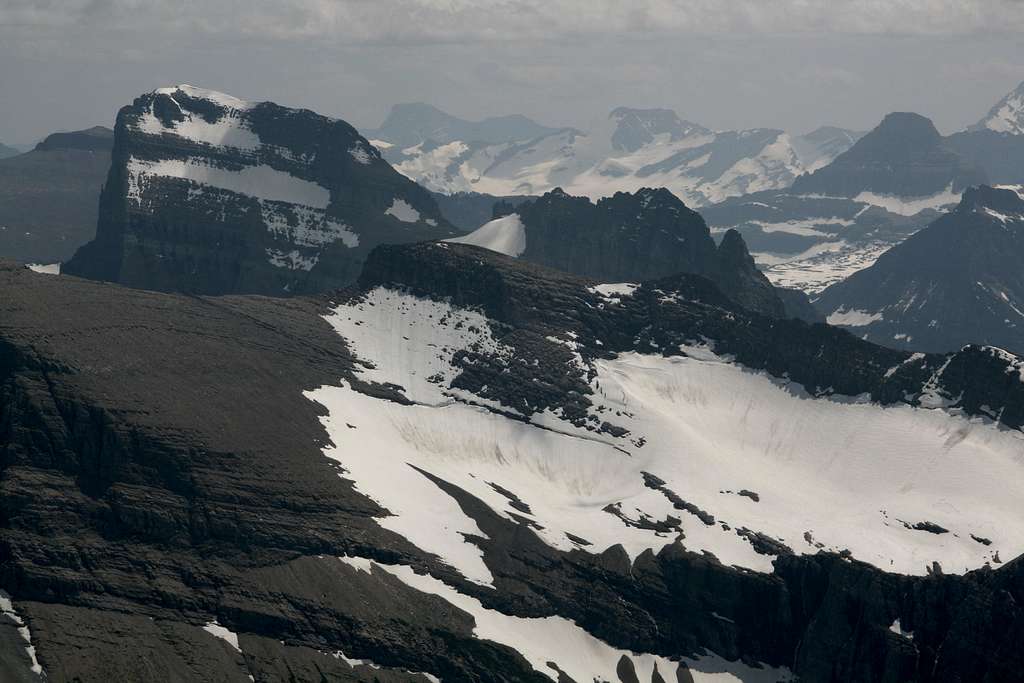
<point>792,64</point>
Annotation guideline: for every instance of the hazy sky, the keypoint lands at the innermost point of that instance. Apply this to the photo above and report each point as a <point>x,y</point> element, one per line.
<point>792,64</point>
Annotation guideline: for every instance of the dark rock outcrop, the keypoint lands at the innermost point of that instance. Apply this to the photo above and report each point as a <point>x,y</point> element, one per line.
<point>1000,154</point>
<point>467,211</point>
<point>640,236</point>
<point>740,280</point>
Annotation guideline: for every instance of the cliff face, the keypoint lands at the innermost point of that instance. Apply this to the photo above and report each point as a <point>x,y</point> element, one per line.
<point>210,194</point>
<point>630,238</point>
<point>163,480</point>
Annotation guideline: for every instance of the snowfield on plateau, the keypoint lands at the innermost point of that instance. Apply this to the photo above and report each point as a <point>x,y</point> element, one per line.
<point>898,487</point>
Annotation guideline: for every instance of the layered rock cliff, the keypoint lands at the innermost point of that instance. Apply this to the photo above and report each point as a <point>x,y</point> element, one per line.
<point>210,194</point>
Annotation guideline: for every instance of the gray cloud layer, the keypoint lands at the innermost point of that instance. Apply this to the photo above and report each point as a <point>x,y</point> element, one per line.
<point>447,20</point>
<point>726,63</point>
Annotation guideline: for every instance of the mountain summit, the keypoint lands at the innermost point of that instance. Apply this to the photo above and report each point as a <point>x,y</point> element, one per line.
<point>904,156</point>
<point>635,128</point>
<point>1007,116</point>
<point>211,194</point>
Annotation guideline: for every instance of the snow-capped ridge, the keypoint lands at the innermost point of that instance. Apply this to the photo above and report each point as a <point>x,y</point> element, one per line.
<point>223,99</point>
<point>624,151</point>
<point>1007,116</point>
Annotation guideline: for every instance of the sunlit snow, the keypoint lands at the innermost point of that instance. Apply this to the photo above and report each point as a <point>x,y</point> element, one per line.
<point>7,611</point>
<point>505,235</point>
<point>577,653</point>
<point>403,211</point>
<point>853,318</point>
<point>830,473</point>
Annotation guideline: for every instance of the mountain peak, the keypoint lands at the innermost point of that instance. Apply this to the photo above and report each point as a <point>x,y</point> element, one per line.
<point>194,92</point>
<point>909,127</point>
<point>96,139</point>
<point>903,156</point>
<point>638,127</point>
<point>1007,116</point>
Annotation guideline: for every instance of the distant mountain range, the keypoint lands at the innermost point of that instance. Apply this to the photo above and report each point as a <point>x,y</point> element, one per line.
<point>838,219</point>
<point>630,149</point>
<point>49,195</point>
<point>6,151</point>
<point>813,208</point>
<point>410,124</point>
<point>958,281</point>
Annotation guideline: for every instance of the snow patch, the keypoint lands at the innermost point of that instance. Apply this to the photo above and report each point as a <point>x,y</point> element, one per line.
<point>229,130</point>
<point>613,292</point>
<point>853,317</point>
<point>403,211</point>
<point>292,208</point>
<point>7,610</point>
<point>505,235</point>
<point>214,96</point>
<point>898,630</point>
<point>293,260</point>
<point>577,653</point>
<point>820,465</point>
<point>305,226</point>
<point>819,266</point>
<point>44,268</point>
<point>909,206</point>
<point>225,634</point>
<point>361,155</point>
<point>262,182</point>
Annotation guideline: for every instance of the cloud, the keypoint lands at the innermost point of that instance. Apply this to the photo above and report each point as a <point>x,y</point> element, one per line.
<point>434,21</point>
